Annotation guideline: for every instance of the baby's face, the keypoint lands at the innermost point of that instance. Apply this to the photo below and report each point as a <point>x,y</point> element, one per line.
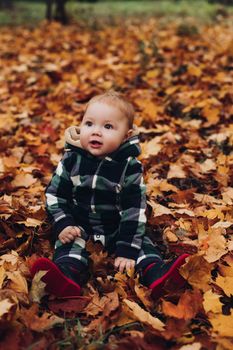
<point>103,129</point>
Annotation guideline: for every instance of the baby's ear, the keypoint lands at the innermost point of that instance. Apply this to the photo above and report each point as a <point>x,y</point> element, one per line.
<point>129,133</point>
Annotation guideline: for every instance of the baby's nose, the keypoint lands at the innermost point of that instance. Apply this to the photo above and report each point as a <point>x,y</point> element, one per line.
<point>97,130</point>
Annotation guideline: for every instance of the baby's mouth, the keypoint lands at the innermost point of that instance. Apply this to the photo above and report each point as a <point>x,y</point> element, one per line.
<point>95,143</point>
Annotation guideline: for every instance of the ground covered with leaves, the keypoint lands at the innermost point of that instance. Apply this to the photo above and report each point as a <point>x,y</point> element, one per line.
<point>179,79</point>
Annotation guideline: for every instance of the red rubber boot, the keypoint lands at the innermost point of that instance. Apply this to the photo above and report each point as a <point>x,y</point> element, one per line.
<point>157,274</point>
<point>56,282</point>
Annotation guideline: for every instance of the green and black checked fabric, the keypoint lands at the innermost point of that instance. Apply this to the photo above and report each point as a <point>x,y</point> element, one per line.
<point>101,196</point>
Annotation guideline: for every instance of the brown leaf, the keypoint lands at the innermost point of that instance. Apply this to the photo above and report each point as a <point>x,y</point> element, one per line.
<point>39,323</point>
<point>17,282</point>
<point>144,294</point>
<point>197,271</point>
<point>110,313</point>
<point>133,310</point>
<point>76,305</point>
<point>23,180</point>
<point>175,328</point>
<point>188,306</point>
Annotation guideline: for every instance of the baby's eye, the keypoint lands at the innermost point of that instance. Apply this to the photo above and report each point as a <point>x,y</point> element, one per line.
<point>108,126</point>
<point>88,123</point>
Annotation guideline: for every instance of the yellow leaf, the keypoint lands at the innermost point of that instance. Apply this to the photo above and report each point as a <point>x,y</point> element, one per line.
<point>5,306</point>
<point>212,114</point>
<point>11,162</point>
<point>2,275</point>
<point>207,166</point>
<point>151,148</point>
<point>18,282</point>
<point>226,283</point>
<point>222,224</point>
<point>194,346</point>
<point>159,209</point>
<point>206,199</point>
<point>11,258</point>
<point>224,343</point>
<point>227,270</point>
<point>222,77</point>
<point>176,170</point>
<point>155,187</point>
<point>143,293</point>
<point>30,222</point>
<point>164,186</point>
<point>38,287</point>
<point>211,302</point>
<point>23,180</point>
<point>214,213</point>
<point>169,235</point>
<point>152,73</point>
<point>227,195</point>
<point>171,89</point>
<point>2,166</point>
<point>194,70</point>
<point>222,325</point>
<point>185,211</point>
<point>133,310</point>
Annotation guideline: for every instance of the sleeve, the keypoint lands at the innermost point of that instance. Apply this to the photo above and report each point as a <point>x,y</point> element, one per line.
<point>133,217</point>
<point>59,196</point>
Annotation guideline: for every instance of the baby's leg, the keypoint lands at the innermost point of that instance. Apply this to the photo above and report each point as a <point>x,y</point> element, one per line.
<point>154,272</point>
<point>67,272</point>
<point>73,260</point>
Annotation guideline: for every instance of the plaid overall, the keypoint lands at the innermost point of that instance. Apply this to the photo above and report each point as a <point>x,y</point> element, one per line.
<point>106,199</point>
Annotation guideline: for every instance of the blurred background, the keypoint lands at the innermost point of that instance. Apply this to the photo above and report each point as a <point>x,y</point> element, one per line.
<point>31,12</point>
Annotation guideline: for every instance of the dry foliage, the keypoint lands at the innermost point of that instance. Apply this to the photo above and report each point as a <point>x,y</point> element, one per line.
<point>181,87</point>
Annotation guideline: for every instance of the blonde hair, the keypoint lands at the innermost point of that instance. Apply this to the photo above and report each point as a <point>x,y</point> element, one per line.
<point>117,100</point>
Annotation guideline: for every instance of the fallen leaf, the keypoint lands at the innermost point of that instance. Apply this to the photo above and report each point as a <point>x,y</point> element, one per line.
<point>2,275</point>
<point>70,305</point>
<point>134,311</point>
<point>176,170</point>
<point>31,222</point>
<point>226,283</point>
<point>39,323</point>
<point>23,180</point>
<point>193,346</point>
<point>5,306</point>
<point>211,302</point>
<point>17,282</point>
<point>222,324</point>
<point>144,294</point>
<point>197,272</point>
<point>189,304</point>
<point>38,287</point>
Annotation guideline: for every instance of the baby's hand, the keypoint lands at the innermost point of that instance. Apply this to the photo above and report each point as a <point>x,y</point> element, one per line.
<point>124,263</point>
<point>69,233</point>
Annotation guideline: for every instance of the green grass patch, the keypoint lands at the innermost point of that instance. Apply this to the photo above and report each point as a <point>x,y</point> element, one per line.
<point>30,13</point>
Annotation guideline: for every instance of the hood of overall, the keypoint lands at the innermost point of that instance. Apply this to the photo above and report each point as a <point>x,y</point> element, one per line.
<point>130,148</point>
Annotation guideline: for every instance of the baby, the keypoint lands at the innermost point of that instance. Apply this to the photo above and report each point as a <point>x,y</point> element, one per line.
<point>98,192</point>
